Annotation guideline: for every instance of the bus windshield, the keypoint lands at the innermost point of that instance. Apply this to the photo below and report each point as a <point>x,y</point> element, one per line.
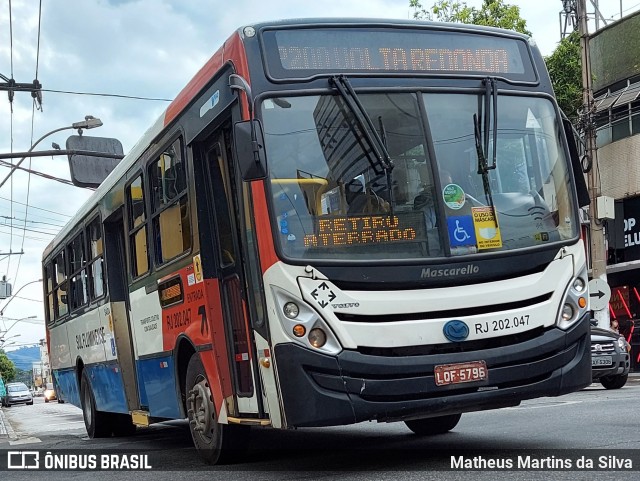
<point>333,198</point>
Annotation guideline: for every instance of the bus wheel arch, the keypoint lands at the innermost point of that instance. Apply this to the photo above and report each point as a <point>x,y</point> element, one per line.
<point>183,352</point>
<point>79,370</point>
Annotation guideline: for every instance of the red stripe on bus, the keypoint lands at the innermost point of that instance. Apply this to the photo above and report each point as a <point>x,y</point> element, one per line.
<point>232,50</point>
<point>263,226</point>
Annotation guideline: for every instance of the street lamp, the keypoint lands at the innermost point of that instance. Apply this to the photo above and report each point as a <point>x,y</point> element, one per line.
<point>5,339</point>
<point>89,122</point>
<point>16,293</point>
<point>4,333</point>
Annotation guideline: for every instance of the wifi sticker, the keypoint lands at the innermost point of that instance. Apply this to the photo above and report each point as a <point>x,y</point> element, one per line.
<point>537,212</point>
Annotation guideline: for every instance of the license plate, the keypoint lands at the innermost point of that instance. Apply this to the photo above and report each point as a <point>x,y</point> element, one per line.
<point>458,373</point>
<point>601,361</point>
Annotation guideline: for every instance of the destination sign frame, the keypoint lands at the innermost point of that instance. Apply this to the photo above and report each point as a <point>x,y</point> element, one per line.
<point>304,52</point>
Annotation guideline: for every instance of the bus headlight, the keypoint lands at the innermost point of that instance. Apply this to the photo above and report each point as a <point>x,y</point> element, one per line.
<point>291,310</point>
<point>317,338</point>
<point>303,324</point>
<point>579,284</point>
<point>567,312</point>
<point>575,302</point>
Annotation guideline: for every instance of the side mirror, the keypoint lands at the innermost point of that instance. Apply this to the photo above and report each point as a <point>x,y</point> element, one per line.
<point>576,164</point>
<point>249,147</point>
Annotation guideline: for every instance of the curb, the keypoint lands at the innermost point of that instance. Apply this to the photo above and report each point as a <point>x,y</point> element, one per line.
<point>6,430</point>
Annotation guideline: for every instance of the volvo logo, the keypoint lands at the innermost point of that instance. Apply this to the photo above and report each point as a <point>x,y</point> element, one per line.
<point>455,330</point>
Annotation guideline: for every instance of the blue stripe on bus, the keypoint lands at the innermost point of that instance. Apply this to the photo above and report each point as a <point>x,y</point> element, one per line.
<point>108,388</point>
<point>142,392</point>
<point>158,383</point>
<point>67,383</point>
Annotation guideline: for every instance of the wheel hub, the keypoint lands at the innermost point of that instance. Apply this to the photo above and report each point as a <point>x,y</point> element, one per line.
<point>200,408</point>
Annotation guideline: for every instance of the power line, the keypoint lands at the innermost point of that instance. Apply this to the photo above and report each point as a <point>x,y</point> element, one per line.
<point>96,94</point>
<point>60,226</point>
<point>38,48</point>
<point>11,43</point>
<point>36,231</point>
<point>40,174</point>
<point>37,208</point>
<point>30,237</point>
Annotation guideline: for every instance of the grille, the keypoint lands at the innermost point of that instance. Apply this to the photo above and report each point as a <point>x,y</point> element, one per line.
<point>453,347</point>
<point>605,347</point>
<point>455,313</point>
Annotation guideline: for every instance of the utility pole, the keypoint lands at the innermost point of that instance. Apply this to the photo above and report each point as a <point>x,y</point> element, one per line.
<point>11,86</point>
<point>598,250</point>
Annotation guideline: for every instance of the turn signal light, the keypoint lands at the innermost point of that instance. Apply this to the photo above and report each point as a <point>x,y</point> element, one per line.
<point>299,330</point>
<point>582,302</point>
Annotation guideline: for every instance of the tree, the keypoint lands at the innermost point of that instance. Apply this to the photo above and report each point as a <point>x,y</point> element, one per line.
<point>24,376</point>
<point>565,70</point>
<point>492,13</point>
<point>7,368</point>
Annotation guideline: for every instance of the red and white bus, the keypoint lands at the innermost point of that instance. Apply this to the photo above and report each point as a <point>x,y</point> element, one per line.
<point>335,221</point>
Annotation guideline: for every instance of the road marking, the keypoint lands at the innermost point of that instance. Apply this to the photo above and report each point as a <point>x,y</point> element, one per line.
<point>25,441</point>
<point>545,405</point>
<point>64,424</point>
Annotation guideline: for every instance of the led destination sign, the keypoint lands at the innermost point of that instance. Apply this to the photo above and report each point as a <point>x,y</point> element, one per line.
<point>304,52</point>
<point>349,231</point>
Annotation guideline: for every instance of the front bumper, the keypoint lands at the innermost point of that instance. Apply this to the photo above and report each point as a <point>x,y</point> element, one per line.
<point>322,390</point>
<point>620,366</point>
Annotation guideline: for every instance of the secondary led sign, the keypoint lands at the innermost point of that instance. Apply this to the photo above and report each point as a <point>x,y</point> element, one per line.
<point>358,230</point>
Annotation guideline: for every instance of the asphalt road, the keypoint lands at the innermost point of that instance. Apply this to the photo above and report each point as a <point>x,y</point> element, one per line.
<point>591,423</point>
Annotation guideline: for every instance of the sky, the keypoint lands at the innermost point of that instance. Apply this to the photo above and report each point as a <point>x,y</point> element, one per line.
<point>137,48</point>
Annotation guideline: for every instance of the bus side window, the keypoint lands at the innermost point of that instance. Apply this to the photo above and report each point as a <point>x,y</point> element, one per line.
<point>137,228</point>
<point>50,282</point>
<point>169,204</point>
<point>95,267</point>
<point>60,290</point>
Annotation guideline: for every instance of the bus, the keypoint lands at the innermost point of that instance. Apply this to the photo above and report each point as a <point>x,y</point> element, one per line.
<point>335,221</point>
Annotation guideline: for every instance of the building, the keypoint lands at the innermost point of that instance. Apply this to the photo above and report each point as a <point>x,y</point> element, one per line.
<point>615,69</point>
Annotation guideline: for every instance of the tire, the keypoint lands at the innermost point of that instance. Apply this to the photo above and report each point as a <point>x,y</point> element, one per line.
<point>30,404</point>
<point>216,443</point>
<point>60,401</point>
<point>46,400</point>
<point>96,422</point>
<point>431,426</point>
<point>614,382</point>
<point>122,426</point>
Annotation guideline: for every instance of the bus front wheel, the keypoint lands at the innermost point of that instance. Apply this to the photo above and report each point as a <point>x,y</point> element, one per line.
<point>96,422</point>
<point>431,426</point>
<point>216,443</point>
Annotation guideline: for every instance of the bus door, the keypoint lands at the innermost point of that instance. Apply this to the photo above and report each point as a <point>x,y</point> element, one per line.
<point>230,274</point>
<point>118,316</point>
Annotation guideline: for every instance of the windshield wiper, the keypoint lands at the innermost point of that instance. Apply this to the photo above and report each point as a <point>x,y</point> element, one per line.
<point>482,150</point>
<point>376,143</point>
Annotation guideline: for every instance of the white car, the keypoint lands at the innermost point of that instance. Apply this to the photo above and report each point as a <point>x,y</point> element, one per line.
<point>17,393</point>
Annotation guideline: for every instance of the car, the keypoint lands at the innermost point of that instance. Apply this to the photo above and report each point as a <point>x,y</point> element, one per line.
<point>17,393</point>
<point>49,393</point>
<point>610,359</point>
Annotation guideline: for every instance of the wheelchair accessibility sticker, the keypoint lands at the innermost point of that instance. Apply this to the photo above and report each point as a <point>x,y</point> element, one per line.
<point>461,231</point>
